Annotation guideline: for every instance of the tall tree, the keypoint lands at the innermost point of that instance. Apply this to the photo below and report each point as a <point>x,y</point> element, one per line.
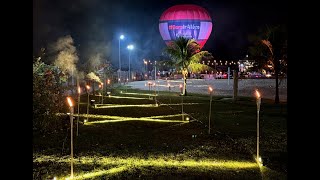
<point>270,43</point>
<point>186,55</point>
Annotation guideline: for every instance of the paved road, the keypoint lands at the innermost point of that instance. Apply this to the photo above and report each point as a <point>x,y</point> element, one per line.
<point>246,87</point>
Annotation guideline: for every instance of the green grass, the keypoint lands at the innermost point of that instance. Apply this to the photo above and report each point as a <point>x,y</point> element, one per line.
<point>150,142</point>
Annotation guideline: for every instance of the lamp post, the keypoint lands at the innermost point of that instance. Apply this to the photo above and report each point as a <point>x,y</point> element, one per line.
<point>210,91</point>
<point>120,38</point>
<point>258,110</point>
<point>71,123</point>
<point>108,84</point>
<point>88,88</point>
<point>169,91</point>
<point>79,92</point>
<point>130,47</point>
<point>181,101</point>
<point>102,93</point>
<point>127,85</point>
<point>155,93</point>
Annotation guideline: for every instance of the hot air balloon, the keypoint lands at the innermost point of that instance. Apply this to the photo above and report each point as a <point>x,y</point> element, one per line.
<point>187,20</point>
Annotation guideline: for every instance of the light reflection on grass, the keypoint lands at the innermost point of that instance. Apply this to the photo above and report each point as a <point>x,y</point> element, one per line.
<point>136,119</point>
<point>125,97</point>
<point>101,172</point>
<point>99,106</point>
<point>108,119</point>
<point>159,162</point>
<point>139,94</point>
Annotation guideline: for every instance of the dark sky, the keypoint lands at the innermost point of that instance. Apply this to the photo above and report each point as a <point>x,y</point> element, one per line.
<point>95,25</point>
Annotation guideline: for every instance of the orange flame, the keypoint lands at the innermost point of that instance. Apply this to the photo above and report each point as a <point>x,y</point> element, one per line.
<point>88,87</point>
<point>258,94</point>
<point>69,101</point>
<point>79,90</point>
<point>210,89</point>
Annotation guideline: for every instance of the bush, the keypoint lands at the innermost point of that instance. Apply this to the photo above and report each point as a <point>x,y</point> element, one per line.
<point>48,97</point>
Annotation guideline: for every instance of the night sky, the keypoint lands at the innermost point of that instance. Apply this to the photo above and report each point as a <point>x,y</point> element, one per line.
<point>95,25</point>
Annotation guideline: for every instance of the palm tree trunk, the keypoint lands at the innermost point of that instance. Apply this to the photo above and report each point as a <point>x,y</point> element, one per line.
<point>276,70</point>
<point>184,73</point>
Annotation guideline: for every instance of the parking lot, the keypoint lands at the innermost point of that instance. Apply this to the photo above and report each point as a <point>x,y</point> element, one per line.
<point>246,87</point>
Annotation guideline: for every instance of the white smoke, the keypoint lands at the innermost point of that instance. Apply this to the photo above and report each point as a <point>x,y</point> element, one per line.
<point>67,55</point>
<point>93,77</point>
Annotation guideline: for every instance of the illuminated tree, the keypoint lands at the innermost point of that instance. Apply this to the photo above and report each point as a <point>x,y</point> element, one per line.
<point>186,55</point>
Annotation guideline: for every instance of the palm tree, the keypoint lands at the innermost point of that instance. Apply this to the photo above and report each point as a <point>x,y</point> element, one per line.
<point>271,43</point>
<point>186,55</point>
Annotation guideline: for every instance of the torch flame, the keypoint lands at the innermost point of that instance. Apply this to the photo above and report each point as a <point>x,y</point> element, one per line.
<point>258,94</point>
<point>210,89</point>
<point>88,87</point>
<point>69,101</point>
<point>79,90</point>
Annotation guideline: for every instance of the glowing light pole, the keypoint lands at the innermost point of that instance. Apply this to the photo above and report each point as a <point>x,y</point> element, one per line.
<point>258,110</point>
<point>169,91</point>
<point>210,90</point>
<point>130,47</point>
<point>155,93</point>
<point>119,75</point>
<point>108,84</point>
<point>127,85</point>
<point>79,92</point>
<point>71,123</point>
<point>88,88</point>
<point>181,101</point>
<point>102,93</point>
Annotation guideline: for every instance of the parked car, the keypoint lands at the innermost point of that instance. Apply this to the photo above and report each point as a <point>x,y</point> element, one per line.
<point>256,75</point>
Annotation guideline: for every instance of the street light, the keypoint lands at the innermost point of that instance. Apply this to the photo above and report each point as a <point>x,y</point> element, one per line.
<point>71,123</point>
<point>88,88</point>
<point>258,158</point>
<point>130,47</point>
<point>120,38</point>
<point>210,91</point>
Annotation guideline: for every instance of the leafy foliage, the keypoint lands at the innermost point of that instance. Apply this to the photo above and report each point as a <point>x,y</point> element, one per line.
<point>270,45</point>
<point>186,55</point>
<point>48,98</point>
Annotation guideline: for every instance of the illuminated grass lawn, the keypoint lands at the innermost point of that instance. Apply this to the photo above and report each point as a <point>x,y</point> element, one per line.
<point>117,165</point>
<point>131,138</point>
